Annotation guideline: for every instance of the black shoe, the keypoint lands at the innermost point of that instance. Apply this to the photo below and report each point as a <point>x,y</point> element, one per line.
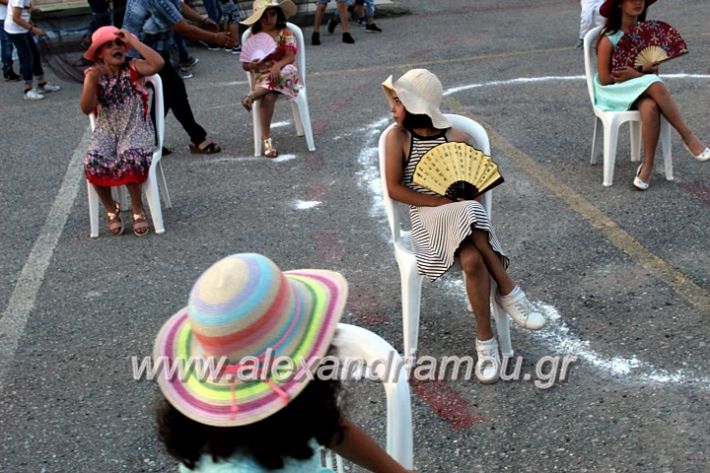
<point>315,38</point>
<point>332,24</point>
<point>10,76</point>
<point>372,29</point>
<point>348,39</point>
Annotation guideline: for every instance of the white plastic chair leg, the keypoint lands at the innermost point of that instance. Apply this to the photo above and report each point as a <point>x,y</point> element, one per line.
<point>305,116</point>
<point>666,148</point>
<point>297,117</point>
<point>411,306</point>
<point>152,195</point>
<point>635,137</point>
<point>163,186</point>
<point>595,146</point>
<point>502,327</point>
<point>256,126</point>
<point>611,134</point>
<point>93,210</point>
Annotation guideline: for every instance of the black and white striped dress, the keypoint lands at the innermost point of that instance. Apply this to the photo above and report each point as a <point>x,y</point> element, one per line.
<point>437,232</point>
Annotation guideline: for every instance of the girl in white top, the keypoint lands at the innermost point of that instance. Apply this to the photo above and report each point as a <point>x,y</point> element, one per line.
<point>20,30</point>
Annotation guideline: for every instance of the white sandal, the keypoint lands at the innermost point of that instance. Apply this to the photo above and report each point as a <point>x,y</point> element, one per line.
<point>704,156</point>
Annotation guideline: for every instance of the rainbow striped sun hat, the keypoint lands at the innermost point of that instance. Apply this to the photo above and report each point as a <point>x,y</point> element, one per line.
<point>248,341</point>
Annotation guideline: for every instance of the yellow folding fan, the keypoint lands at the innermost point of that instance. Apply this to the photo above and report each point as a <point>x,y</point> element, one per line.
<point>457,171</point>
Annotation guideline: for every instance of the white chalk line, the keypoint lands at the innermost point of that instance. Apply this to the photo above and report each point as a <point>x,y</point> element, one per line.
<point>529,80</point>
<point>23,297</point>
<point>557,335</point>
<point>235,159</point>
<point>305,204</point>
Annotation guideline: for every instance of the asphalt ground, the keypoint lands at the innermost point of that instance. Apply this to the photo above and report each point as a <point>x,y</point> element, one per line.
<point>623,275</point>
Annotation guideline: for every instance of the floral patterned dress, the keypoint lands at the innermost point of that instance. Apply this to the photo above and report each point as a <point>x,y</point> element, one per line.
<point>288,82</point>
<point>122,143</point>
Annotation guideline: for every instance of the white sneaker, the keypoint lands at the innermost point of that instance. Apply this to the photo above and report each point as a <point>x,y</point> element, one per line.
<point>519,308</point>
<point>488,362</point>
<point>47,87</point>
<point>33,94</point>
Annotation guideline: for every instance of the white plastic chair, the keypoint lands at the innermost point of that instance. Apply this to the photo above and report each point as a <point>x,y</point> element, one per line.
<point>411,280</point>
<point>357,343</point>
<point>156,176</point>
<point>611,121</point>
<point>299,105</point>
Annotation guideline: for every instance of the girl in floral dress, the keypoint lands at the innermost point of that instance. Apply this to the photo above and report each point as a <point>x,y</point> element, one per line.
<point>122,144</point>
<point>276,74</point>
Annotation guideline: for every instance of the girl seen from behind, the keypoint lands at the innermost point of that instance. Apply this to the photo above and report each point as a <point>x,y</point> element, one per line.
<point>276,74</point>
<point>642,90</point>
<point>122,143</point>
<point>244,308</point>
<point>442,230</point>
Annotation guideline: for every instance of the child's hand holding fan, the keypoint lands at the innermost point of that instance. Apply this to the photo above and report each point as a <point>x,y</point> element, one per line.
<point>457,171</point>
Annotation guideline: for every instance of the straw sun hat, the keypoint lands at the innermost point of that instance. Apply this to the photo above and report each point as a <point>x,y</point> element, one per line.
<point>420,92</point>
<point>244,308</point>
<point>287,6</point>
<point>606,8</point>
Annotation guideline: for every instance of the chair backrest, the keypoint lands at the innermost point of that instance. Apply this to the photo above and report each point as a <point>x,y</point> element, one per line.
<point>590,40</point>
<point>396,211</point>
<point>158,111</point>
<point>300,55</point>
<point>356,343</point>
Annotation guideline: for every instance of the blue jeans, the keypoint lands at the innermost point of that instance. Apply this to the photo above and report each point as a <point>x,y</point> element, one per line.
<point>5,48</point>
<point>183,54</point>
<point>28,53</point>
<point>214,9</point>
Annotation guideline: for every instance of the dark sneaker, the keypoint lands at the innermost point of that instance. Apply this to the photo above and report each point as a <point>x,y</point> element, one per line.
<point>332,24</point>
<point>362,21</point>
<point>237,49</point>
<point>372,29</point>
<point>348,39</point>
<point>184,72</point>
<point>10,76</point>
<point>315,38</point>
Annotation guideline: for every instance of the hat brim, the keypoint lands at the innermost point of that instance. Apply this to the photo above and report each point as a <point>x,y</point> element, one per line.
<point>414,104</point>
<point>90,53</point>
<point>220,403</point>
<point>608,5</point>
<point>287,6</point>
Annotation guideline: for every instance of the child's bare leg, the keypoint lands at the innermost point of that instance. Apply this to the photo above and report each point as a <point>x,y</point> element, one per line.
<point>660,94</point>
<point>478,287</point>
<point>343,13</point>
<point>266,112</point>
<point>650,130</point>
<point>104,194</point>
<point>136,192</point>
<point>493,262</point>
<point>256,94</point>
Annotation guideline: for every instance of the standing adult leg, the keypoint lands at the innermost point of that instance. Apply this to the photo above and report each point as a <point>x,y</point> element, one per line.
<point>119,11</point>
<point>176,100</point>
<point>24,53</point>
<point>5,49</point>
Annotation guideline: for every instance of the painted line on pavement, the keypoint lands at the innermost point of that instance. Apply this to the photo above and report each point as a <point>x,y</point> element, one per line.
<point>23,297</point>
<point>687,289</point>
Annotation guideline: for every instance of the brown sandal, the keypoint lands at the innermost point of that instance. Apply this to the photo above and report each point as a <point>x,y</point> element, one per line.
<point>115,224</point>
<point>269,150</point>
<point>140,223</point>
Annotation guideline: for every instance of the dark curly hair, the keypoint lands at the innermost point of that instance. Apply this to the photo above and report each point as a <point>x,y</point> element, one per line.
<point>314,413</point>
<point>280,23</point>
<point>412,121</point>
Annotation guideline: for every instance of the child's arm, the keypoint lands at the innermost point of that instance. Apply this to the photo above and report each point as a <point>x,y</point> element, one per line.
<point>276,67</point>
<point>359,448</point>
<point>151,63</point>
<point>88,99</point>
<point>394,151</point>
<point>606,75</point>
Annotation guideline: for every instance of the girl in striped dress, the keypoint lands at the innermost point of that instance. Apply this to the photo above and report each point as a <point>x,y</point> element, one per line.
<point>443,230</point>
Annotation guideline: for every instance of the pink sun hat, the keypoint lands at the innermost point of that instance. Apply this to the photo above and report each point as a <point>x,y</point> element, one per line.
<point>243,314</point>
<point>100,37</point>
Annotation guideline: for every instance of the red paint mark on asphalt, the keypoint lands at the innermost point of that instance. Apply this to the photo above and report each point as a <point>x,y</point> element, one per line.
<point>327,245</point>
<point>315,192</point>
<point>699,191</point>
<point>447,403</point>
<point>319,126</point>
<point>313,161</point>
<point>366,308</point>
<point>420,53</point>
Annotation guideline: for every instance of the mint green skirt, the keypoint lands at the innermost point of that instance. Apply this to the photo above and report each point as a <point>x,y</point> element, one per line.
<point>621,96</point>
